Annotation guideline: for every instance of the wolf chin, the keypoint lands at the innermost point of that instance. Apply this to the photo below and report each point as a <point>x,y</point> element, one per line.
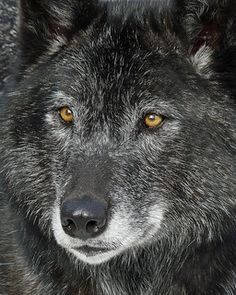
<point>118,149</point>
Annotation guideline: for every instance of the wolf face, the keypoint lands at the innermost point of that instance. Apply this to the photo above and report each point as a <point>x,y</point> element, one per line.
<point>118,134</point>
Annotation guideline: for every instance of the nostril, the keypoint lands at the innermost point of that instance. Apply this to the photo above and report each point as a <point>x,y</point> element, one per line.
<point>69,225</point>
<point>94,226</point>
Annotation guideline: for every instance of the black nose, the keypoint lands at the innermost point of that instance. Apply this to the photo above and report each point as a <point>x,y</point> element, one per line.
<point>84,218</point>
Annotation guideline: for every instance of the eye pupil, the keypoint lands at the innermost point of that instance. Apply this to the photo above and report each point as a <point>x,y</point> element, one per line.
<point>152,117</point>
<point>68,112</point>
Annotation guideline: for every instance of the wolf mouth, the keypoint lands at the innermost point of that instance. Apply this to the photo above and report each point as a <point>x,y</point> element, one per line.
<point>91,251</point>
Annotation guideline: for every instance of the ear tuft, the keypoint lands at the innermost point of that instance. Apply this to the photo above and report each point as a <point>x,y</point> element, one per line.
<point>204,46</point>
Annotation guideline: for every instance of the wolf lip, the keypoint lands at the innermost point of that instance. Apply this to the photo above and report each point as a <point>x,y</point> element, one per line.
<point>91,250</point>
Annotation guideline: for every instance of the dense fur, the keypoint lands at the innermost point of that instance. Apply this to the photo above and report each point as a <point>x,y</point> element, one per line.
<point>7,38</point>
<point>171,189</point>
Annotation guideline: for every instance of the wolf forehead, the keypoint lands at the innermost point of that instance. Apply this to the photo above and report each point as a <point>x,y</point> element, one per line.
<point>122,56</point>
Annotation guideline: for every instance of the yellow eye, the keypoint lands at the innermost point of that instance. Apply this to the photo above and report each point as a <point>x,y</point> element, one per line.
<point>153,120</point>
<point>66,114</point>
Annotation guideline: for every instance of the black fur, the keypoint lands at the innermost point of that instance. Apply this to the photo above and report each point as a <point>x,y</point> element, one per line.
<point>173,187</point>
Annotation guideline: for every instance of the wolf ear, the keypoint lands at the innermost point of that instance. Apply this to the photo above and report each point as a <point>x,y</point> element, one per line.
<point>49,24</point>
<point>211,33</point>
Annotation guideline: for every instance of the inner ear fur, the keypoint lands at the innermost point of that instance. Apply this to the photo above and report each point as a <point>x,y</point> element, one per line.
<point>207,20</point>
<point>209,27</point>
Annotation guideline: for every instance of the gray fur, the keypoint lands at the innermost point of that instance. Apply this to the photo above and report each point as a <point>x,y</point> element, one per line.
<point>172,189</point>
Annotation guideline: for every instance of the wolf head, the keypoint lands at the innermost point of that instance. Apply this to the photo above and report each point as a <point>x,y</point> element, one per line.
<point>120,128</point>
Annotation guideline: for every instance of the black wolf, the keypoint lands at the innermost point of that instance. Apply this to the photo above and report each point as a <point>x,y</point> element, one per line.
<point>118,149</point>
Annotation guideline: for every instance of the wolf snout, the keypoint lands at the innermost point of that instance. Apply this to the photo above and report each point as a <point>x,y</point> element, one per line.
<point>84,217</point>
